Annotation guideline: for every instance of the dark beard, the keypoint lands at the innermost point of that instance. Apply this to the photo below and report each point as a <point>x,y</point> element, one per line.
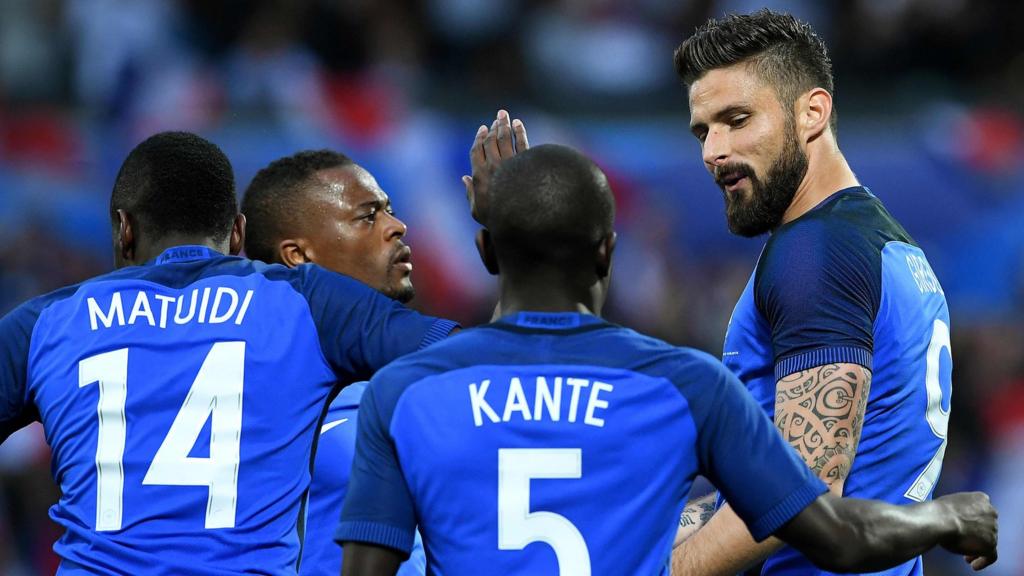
<point>762,211</point>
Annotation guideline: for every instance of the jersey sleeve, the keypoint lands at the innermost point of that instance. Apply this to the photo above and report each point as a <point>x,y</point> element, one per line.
<point>743,454</point>
<point>15,336</point>
<point>378,507</point>
<point>360,329</point>
<point>819,287</point>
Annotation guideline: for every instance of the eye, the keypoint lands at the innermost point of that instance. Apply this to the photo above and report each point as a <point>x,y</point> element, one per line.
<point>738,120</point>
<point>370,216</point>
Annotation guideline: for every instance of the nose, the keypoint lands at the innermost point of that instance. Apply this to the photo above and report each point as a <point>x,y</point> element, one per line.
<point>716,148</point>
<point>395,228</point>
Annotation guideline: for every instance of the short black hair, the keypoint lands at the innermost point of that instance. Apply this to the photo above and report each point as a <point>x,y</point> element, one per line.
<point>269,201</point>
<point>784,51</point>
<point>177,183</point>
<point>549,205</point>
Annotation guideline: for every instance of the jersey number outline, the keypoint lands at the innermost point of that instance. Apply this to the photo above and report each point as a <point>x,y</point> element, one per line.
<point>518,526</point>
<point>216,393</point>
<point>937,418</point>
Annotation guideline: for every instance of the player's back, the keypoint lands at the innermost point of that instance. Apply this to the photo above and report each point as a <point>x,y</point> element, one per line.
<point>180,400</point>
<point>551,443</point>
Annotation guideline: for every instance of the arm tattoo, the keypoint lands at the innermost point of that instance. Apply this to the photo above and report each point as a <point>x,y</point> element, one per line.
<point>697,513</point>
<point>820,412</point>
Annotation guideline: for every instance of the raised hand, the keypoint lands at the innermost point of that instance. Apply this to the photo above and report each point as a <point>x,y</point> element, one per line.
<point>502,140</point>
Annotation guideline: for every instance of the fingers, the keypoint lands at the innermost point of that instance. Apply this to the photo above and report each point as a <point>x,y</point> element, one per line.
<point>467,181</point>
<point>491,150</point>
<point>504,135</point>
<point>476,151</point>
<point>519,131</point>
<point>981,562</point>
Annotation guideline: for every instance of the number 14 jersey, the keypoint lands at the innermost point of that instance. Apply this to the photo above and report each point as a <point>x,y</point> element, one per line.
<point>181,399</point>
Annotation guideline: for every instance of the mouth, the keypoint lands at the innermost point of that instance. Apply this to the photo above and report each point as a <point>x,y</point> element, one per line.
<point>731,181</point>
<point>403,259</point>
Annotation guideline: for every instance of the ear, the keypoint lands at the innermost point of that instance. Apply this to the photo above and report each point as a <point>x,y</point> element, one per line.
<point>237,235</point>
<point>605,248</point>
<point>485,247</point>
<point>814,111</point>
<point>125,238</point>
<point>292,253</point>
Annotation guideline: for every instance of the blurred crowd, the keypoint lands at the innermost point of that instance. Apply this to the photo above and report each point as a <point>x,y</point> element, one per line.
<point>929,95</point>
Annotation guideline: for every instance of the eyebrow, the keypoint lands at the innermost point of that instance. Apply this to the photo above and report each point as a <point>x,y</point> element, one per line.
<point>373,203</point>
<point>721,114</point>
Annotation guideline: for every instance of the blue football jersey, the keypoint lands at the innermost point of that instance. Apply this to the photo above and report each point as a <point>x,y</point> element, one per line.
<point>321,556</point>
<point>181,398</point>
<point>558,444</point>
<point>846,283</point>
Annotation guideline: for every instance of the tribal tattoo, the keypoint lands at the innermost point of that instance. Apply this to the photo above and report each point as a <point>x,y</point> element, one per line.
<point>820,412</point>
<point>697,512</point>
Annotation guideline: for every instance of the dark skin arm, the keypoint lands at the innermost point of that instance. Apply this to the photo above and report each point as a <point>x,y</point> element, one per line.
<point>368,560</point>
<point>854,535</point>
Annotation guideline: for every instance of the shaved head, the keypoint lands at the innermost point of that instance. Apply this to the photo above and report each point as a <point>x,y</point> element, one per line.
<point>549,205</point>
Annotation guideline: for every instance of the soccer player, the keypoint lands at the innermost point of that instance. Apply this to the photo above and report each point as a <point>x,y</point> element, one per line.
<point>553,442</point>
<point>321,207</point>
<point>842,333</point>
<point>180,393</point>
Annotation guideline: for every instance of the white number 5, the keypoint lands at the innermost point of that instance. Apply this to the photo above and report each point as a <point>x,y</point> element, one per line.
<point>518,527</point>
<point>937,418</point>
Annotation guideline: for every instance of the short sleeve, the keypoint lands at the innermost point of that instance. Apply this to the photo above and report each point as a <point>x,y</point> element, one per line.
<point>15,337</point>
<point>360,329</point>
<point>378,507</point>
<point>743,454</point>
<point>819,286</point>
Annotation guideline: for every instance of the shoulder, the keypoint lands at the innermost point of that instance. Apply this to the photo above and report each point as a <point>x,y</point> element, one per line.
<point>23,318</point>
<point>852,224</point>
<point>835,250</point>
<point>449,354</point>
<point>685,367</point>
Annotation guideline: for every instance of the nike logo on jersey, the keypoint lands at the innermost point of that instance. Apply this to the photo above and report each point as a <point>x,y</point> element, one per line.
<point>332,424</point>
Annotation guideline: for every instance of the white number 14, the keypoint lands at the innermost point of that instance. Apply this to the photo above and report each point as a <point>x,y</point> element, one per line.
<point>216,392</point>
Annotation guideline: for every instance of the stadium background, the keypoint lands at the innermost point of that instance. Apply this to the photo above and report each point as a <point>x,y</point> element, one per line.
<point>929,95</point>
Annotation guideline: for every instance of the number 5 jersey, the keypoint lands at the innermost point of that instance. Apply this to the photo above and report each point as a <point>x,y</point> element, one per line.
<point>558,443</point>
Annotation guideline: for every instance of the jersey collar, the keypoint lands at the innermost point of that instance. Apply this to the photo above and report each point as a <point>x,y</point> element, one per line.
<point>185,253</point>
<point>550,320</point>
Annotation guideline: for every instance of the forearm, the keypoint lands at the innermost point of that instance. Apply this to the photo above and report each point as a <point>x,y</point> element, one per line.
<point>868,535</point>
<point>361,559</point>
<point>695,515</point>
<point>723,546</point>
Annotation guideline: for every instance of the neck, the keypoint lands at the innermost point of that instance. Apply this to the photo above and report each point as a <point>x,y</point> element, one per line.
<point>549,292</point>
<point>827,173</point>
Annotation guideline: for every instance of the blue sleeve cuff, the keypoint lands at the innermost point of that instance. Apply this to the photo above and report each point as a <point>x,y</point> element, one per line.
<point>784,511</point>
<point>375,533</point>
<point>820,357</point>
<point>437,332</point>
